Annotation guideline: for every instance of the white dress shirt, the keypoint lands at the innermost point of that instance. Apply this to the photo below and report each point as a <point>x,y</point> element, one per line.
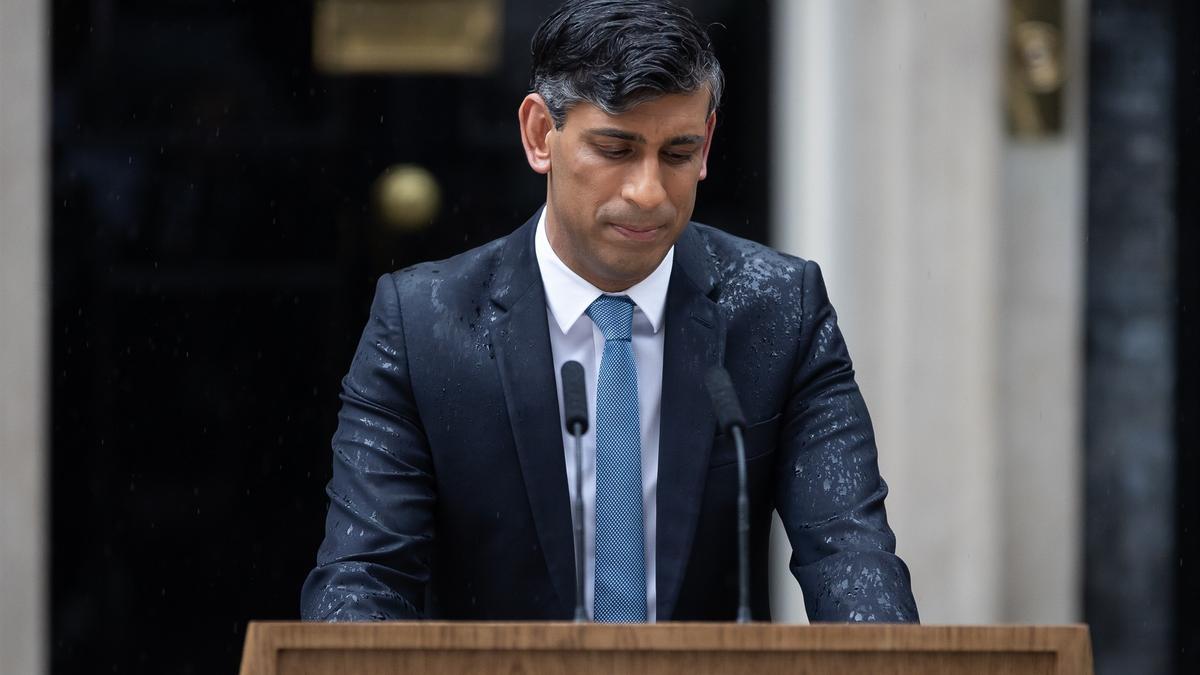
<point>573,337</point>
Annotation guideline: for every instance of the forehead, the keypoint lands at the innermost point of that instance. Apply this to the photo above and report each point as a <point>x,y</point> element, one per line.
<point>657,119</point>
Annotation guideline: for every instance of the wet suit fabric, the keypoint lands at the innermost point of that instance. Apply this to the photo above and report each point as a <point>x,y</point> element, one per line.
<point>449,494</point>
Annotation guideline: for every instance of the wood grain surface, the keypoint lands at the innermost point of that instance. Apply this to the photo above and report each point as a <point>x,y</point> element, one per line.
<point>294,648</point>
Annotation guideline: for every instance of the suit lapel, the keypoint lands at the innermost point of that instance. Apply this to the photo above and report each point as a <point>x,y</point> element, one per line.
<point>694,342</point>
<point>522,342</point>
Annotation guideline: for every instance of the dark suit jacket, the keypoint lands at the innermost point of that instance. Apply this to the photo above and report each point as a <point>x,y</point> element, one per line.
<point>449,490</point>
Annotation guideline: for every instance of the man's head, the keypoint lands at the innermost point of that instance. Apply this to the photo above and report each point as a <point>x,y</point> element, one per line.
<point>620,121</point>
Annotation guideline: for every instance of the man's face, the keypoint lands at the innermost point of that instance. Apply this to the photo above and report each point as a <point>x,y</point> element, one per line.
<point>622,187</point>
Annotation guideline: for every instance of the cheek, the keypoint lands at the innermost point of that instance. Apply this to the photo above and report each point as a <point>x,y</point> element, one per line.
<point>571,186</point>
<point>593,185</point>
<point>682,188</point>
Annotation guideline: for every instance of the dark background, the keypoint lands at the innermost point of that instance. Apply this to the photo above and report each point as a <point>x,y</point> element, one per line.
<point>214,248</point>
<point>1188,331</point>
<point>1142,321</point>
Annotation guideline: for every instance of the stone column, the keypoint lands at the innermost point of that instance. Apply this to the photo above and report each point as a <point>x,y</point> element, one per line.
<point>894,172</point>
<point>24,305</point>
<point>1041,260</point>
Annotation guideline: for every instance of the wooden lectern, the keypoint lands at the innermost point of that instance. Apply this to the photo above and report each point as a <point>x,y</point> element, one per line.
<point>294,648</point>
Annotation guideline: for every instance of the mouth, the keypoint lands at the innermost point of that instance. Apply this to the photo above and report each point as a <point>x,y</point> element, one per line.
<point>637,233</point>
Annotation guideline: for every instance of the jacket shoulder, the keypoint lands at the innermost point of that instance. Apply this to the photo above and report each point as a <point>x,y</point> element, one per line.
<point>750,274</point>
<point>467,273</point>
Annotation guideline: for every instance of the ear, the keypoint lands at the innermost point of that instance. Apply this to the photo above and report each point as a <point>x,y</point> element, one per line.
<point>709,126</point>
<point>536,125</point>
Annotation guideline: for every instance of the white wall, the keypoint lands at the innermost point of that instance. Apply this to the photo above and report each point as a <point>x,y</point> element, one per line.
<point>24,304</point>
<point>952,254</point>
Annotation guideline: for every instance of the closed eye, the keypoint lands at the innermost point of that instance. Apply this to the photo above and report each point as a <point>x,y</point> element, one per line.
<point>611,152</point>
<point>678,157</point>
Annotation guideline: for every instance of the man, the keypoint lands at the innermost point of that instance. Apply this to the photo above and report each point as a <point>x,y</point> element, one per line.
<point>452,481</point>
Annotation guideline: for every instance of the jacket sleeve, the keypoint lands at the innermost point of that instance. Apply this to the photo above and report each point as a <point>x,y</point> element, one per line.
<point>374,561</point>
<point>829,492</point>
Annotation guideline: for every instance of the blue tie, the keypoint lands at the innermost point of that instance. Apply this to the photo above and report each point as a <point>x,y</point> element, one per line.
<point>620,579</point>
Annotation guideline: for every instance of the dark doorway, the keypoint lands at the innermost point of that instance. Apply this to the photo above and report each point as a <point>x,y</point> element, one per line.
<point>214,249</point>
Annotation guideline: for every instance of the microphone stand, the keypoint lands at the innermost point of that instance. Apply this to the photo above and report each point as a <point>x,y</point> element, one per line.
<point>580,612</point>
<point>743,506</point>
<point>731,420</point>
<point>575,413</point>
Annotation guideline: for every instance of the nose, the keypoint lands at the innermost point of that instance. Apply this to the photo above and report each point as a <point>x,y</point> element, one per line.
<point>644,187</point>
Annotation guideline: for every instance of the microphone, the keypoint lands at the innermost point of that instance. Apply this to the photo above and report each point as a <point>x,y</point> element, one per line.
<point>733,422</point>
<point>575,412</point>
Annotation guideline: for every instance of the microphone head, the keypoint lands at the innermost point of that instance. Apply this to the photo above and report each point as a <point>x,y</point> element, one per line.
<point>575,407</point>
<point>724,399</point>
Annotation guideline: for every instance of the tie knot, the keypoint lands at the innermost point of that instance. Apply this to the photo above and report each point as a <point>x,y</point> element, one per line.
<point>613,315</point>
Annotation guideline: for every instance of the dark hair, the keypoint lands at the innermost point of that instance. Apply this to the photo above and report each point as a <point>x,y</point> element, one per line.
<point>616,54</point>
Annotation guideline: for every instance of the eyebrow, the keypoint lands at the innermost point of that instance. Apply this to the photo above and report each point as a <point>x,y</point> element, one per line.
<point>621,134</point>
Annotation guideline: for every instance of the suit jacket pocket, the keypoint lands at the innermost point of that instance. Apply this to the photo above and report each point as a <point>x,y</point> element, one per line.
<point>760,437</point>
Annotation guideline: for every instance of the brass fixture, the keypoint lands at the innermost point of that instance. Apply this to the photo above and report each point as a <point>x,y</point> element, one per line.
<point>407,36</point>
<point>1036,68</point>
<point>407,198</point>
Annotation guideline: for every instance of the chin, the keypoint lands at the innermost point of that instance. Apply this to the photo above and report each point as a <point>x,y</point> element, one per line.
<point>632,274</point>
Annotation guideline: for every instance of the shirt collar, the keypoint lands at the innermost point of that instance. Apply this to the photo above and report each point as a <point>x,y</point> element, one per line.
<point>568,295</point>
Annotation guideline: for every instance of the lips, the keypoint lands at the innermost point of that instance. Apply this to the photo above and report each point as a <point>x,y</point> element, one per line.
<point>637,233</point>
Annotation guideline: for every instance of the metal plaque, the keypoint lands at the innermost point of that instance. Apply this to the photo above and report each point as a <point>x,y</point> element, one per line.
<point>407,36</point>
